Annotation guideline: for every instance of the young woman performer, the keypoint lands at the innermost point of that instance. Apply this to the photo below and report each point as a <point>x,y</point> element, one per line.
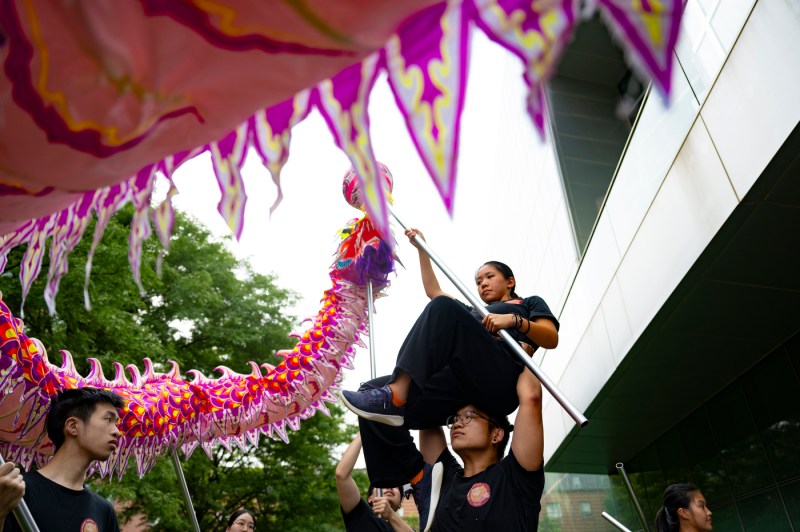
<point>451,357</point>
<point>684,510</point>
<point>242,520</point>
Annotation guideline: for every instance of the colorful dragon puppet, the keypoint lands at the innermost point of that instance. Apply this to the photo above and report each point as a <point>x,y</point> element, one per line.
<point>164,411</point>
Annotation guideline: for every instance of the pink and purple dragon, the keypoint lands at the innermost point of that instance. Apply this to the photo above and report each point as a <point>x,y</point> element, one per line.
<point>164,411</point>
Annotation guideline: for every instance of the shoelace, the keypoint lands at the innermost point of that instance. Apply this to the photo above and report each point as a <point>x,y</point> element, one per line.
<point>375,398</point>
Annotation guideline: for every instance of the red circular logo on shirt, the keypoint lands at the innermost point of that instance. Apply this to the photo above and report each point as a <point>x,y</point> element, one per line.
<point>89,525</point>
<point>479,494</point>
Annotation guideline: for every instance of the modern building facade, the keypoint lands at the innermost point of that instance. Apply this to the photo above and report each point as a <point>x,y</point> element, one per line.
<point>673,254</point>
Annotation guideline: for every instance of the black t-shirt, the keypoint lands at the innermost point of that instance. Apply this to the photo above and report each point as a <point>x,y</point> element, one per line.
<point>504,497</point>
<point>530,308</point>
<point>362,518</point>
<point>59,509</point>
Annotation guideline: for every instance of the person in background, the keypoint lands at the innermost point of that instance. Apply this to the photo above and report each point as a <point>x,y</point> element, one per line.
<point>684,510</point>
<point>82,424</point>
<point>242,520</point>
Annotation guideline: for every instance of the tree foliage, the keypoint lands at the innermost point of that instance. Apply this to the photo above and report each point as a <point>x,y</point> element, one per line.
<point>206,309</point>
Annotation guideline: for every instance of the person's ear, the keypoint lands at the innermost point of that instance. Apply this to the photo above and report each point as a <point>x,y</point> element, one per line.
<point>683,513</point>
<point>71,426</point>
<point>498,435</point>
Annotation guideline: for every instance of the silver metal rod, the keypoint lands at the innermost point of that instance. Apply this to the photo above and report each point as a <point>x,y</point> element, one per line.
<point>372,364</point>
<point>370,312</point>
<point>632,495</point>
<point>576,414</point>
<point>186,497</point>
<point>22,514</point>
<point>615,522</point>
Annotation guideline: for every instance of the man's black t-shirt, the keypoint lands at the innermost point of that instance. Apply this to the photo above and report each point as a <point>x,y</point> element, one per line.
<point>59,509</point>
<point>504,497</point>
<point>362,518</point>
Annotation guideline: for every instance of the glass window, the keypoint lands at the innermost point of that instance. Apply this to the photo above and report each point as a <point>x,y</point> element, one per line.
<point>764,513</point>
<point>791,498</point>
<point>652,496</point>
<point>672,457</point>
<point>554,510</point>
<point>622,508</point>
<point>743,455</point>
<point>771,390</point>
<point>725,517</point>
<point>593,101</point>
<point>585,509</point>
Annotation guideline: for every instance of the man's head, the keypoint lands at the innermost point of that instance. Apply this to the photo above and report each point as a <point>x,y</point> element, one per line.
<point>395,496</point>
<point>88,415</point>
<point>473,429</point>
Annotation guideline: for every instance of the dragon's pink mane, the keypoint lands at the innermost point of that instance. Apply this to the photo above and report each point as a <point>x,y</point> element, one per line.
<point>164,411</point>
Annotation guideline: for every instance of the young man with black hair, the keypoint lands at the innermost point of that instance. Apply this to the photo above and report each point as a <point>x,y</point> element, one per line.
<point>491,492</point>
<point>82,424</point>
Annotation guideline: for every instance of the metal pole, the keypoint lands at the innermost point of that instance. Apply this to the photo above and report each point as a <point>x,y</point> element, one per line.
<point>186,497</point>
<point>579,418</point>
<point>636,505</point>
<point>372,364</point>
<point>22,514</point>
<point>370,312</point>
<point>615,522</point>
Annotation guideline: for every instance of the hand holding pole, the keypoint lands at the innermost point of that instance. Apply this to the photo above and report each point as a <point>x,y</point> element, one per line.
<point>551,387</point>
<point>22,514</point>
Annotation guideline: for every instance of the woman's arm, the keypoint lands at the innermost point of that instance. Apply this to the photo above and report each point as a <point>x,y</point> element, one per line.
<point>541,331</point>
<point>429,280</point>
<point>349,496</point>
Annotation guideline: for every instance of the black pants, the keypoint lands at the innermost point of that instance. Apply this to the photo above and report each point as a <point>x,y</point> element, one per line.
<point>453,361</point>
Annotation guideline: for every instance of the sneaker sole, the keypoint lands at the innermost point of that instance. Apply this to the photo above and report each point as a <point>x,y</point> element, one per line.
<point>436,487</point>
<point>386,419</point>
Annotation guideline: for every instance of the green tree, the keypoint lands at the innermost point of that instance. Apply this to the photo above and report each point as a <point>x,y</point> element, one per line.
<point>206,309</point>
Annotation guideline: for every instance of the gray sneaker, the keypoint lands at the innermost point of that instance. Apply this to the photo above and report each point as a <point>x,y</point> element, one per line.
<point>374,404</point>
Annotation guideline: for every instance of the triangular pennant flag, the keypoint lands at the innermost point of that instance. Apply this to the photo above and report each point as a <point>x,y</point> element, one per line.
<point>343,102</point>
<point>228,157</point>
<point>537,33</point>
<point>648,32</point>
<point>427,66</point>
<point>272,132</point>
